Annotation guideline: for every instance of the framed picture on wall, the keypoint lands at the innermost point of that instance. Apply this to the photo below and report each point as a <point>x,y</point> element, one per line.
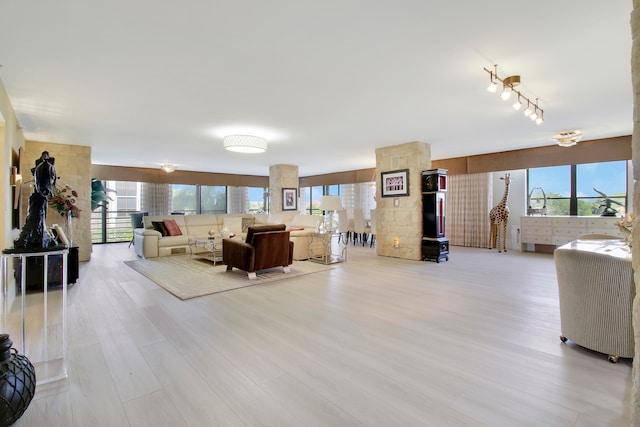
<point>289,199</point>
<point>395,183</point>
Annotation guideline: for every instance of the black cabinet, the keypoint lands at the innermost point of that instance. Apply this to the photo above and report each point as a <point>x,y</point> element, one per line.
<point>35,270</point>
<point>435,249</point>
<point>435,245</point>
<point>433,215</point>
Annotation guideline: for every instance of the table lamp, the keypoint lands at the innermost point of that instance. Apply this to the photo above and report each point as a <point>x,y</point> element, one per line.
<point>330,205</point>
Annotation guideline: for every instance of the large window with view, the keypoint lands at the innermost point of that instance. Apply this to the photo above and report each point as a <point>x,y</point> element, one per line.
<point>585,190</point>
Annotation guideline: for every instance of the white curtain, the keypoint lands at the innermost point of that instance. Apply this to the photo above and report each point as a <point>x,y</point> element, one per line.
<point>469,202</point>
<point>237,199</point>
<point>156,198</point>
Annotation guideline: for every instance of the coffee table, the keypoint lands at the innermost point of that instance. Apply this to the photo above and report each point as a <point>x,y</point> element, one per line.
<point>210,249</point>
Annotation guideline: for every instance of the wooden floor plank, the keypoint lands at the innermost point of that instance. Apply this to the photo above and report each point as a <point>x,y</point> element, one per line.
<point>376,341</point>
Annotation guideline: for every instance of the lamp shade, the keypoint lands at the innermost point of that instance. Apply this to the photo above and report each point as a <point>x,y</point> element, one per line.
<point>245,143</point>
<point>330,203</point>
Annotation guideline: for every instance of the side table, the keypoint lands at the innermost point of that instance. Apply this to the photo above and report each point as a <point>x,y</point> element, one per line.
<point>328,248</point>
<point>212,248</point>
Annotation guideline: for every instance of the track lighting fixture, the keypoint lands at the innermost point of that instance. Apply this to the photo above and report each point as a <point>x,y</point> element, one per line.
<point>493,86</point>
<point>518,104</point>
<point>509,84</point>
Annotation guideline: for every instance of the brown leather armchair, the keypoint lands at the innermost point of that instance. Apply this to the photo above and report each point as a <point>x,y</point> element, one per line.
<point>266,246</point>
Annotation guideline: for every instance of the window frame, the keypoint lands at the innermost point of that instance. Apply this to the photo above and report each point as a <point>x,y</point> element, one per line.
<point>573,198</point>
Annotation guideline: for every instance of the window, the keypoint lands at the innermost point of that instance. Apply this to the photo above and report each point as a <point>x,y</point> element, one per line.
<point>571,189</point>
<point>184,198</point>
<point>258,200</point>
<point>312,197</point>
<point>111,223</point>
<point>213,200</point>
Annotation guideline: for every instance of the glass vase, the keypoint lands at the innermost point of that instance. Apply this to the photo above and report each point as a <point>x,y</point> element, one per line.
<point>68,228</point>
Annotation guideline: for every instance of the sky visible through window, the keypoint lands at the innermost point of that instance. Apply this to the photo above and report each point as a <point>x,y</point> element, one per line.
<point>608,177</point>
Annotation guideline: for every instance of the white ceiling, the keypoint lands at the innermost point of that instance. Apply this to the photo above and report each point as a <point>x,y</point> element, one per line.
<point>326,82</point>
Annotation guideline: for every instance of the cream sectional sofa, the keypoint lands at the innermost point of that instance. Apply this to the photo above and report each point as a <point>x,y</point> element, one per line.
<point>150,243</point>
<point>301,226</point>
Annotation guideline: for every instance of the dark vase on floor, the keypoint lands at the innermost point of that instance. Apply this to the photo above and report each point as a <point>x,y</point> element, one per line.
<point>17,382</point>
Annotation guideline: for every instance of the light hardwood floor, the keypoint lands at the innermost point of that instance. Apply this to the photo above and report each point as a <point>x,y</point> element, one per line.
<point>376,341</point>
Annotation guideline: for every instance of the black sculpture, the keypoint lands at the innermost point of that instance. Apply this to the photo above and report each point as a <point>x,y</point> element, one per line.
<point>606,204</point>
<point>35,233</point>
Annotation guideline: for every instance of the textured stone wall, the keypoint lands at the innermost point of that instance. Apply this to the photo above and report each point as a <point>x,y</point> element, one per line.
<point>404,221</point>
<point>635,142</point>
<point>73,166</point>
<point>281,176</point>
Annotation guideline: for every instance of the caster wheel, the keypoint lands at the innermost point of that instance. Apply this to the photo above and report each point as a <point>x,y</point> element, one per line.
<point>563,338</point>
<point>613,359</point>
<point>447,259</point>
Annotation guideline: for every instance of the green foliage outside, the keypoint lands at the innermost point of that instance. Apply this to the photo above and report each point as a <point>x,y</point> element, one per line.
<point>559,205</point>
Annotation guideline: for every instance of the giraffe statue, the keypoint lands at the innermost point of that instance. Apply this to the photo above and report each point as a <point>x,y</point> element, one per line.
<point>498,217</point>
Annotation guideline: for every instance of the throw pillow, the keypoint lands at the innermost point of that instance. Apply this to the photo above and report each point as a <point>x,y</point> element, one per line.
<point>172,227</point>
<point>246,223</point>
<point>159,226</point>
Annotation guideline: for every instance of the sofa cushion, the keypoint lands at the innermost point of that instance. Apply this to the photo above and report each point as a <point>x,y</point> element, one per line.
<point>274,218</point>
<point>306,221</point>
<point>172,227</point>
<point>234,224</point>
<point>199,225</point>
<point>159,226</point>
<point>171,241</point>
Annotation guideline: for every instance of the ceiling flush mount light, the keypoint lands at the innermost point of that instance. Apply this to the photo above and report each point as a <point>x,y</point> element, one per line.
<point>168,167</point>
<point>245,144</point>
<point>568,138</point>
<point>509,84</point>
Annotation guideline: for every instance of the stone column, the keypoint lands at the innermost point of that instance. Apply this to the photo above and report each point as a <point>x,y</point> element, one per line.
<point>635,143</point>
<point>282,176</point>
<point>401,217</point>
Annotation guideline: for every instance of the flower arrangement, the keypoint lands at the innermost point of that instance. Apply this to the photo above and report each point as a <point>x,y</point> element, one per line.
<point>64,201</point>
<point>626,226</point>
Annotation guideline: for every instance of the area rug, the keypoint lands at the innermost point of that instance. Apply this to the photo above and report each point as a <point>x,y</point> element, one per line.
<point>187,277</point>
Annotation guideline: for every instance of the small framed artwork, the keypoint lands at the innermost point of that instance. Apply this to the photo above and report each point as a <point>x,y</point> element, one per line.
<point>289,199</point>
<point>395,183</point>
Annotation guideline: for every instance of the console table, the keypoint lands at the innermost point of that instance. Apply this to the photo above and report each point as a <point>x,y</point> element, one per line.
<point>328,248</point>
<point>559,230</point>
<point>596,291</point>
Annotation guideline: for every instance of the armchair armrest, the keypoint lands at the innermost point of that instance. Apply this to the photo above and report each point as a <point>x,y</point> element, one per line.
<point>147,232</point>
<point>238,254</point>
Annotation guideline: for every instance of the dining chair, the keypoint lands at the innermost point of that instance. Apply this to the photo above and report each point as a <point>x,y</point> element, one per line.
<point>136,222</point>
<point>372,225</point>
<point>343,225</point>
<point>359,227</point>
